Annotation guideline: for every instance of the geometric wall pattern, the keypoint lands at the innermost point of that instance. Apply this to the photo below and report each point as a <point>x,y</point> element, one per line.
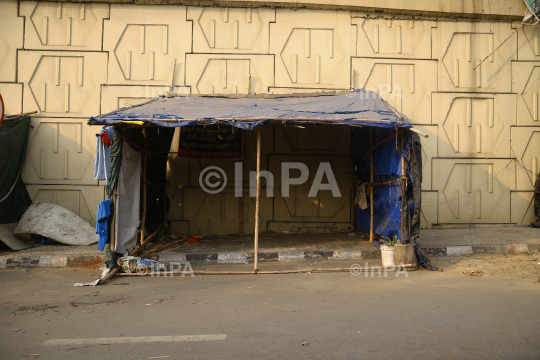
<point>70,61</point>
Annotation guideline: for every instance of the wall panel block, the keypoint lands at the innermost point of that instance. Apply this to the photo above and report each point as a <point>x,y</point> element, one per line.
<point>389,38</point>
<point>229,74</point>
<point>146,44</point>
<point>298,207</point>
<point>11,39</point>
<point>522,204</point>
<point>60,151</point>
<point>526,149</point>
<point>63,26</point>
<point>428,215</point>
<point>115,97</point>
<point>312,48</point>
<point>429,152</point>
<point>81,200</point>
<point>62,83</point>
<point>406,84</point>
<point>231,30</point>
<point>474,125</point>
<point>12,95</point>
<point>218,214</point>
<point>529,43</point>
<point>474,191</point>
<point>462,45</point>
<point>178,178</point>
<point>526,83</point>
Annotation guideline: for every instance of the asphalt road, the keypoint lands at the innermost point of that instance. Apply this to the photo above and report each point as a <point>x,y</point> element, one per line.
<point>428,315</point>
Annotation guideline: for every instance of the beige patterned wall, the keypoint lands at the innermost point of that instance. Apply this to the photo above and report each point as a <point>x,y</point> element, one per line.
<point>70,61</point>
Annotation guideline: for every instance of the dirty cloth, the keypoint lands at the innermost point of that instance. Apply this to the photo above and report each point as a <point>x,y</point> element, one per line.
<point>95,282</point>
<point>128,200</point>
<point>110,257</point>
<point>116,162</point>
<point>102,166</point>
<point>102,223</point>
<point>361,198</point>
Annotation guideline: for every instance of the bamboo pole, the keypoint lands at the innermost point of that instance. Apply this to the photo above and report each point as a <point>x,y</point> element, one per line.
<point>241,199</point>
<point>112,233</point>
<point>419,132</point>
<point>144,187</point>
<point>403,197</point>
<point>371,235</point>
<point>257,201</point>
<point>275,272</point>
<point>141,245</point>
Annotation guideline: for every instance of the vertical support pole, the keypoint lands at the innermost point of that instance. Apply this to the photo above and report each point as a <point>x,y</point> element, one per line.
<point>112,232</point>
<point>165,194</point>
<point>241,198</point>
<point>371,235</point>
<point>403,175</point>
<point>143,224</point>
<point>256,255</point>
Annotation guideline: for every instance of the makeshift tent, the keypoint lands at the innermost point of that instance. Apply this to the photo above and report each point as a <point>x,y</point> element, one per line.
<point>386,153</point>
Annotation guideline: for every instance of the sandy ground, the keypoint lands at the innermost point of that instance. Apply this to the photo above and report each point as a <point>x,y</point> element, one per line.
<point>525,267</point>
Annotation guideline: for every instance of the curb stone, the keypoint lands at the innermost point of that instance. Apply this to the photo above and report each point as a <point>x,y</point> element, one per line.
<point>58,261</point>
<point>481,249</point>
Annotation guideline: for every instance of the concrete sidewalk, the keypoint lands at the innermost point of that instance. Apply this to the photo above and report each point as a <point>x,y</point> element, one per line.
<point>289,247</point>
<point>480,240</point>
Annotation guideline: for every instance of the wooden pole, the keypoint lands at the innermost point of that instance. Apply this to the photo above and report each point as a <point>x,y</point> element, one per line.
<point>275,272</point>
<point>141,245</point>
<point>165,198</point>
<point>241,199</point>
<point>403,197</point>
<point>257,200</point>
<point>371,235</point>
<point>144,187</point>
<point>112,238</point>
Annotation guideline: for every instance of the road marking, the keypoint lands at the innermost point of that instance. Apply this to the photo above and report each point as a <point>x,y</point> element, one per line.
<point>132,340</point>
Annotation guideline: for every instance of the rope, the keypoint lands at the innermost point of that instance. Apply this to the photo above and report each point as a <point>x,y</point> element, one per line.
<point>13,187</point>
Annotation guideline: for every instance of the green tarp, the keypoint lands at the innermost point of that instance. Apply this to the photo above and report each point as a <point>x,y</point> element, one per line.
<point>14,199</point>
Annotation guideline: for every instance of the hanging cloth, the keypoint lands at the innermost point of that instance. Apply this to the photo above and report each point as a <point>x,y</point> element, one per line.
<point>102,166</point>
<point>361,198</point>
<point>128,200</point>
<point>102,223</point>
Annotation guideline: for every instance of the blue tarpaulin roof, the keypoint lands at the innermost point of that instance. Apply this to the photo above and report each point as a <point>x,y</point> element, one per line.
<point>360,107</point>
<point>357,108</point>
